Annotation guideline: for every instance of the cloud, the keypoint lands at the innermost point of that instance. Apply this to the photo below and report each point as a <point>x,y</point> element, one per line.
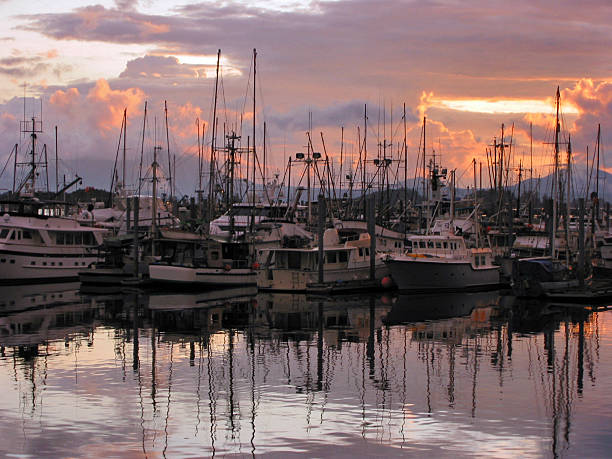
<point>336,57</point>
<point>162,67</point>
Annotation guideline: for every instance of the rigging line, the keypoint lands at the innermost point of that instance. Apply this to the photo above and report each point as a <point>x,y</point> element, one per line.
<point>7,161</point>
<point>247,92</point>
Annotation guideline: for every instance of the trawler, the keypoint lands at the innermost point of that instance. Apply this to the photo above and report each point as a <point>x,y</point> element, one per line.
<point>297,269</point>
<point>443,262</point>
<point>37,243</point>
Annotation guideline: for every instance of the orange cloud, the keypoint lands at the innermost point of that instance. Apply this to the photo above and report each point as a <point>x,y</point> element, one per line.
<point>109,104</point>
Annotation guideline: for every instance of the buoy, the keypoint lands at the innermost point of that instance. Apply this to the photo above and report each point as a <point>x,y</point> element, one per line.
<point>386,282</point>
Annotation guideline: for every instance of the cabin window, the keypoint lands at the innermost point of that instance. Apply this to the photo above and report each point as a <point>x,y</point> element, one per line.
<point>430,244</point>
<point>294,260</point>
<point>408,244</point>
<point>69,239</point>
<point>367,252</point>
<point>77,238</point>
<point>88,239</point>
<point>445,244</point>
<point>343,256</point>
<point>12,261</point>
<point>483,260</point>
<point>4,233</point>
<point>59,238</point>
<point>331,257</point>
<point>13,236</point>
<point>476,260</point>
<point>360,252</point>
<point>214,255</point>
<point>27,234</point>
<point>438,245</point>
<point>422,244</point>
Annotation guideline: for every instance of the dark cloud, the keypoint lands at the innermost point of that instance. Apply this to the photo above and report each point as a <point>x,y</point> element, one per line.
<point>21,66</point>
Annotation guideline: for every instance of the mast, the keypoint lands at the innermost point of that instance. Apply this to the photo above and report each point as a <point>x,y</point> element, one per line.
<point>567,203</point>
<point>170,178</point>
<point>425,189</point>
<point>555,177</point>
<point>56,164</point>
<point>475,207</point>
<point>124,147</point>
<point>254,138</point>
<point>597,175</point>
<point>154,202</point>
<point>264,159</point>
<point>211,177</point>
<point>144,124</point>
<point>531,170</point>
<point>405,174</point>
<point>365,155</point>
<point>199,164</point>
<point>341,158</point>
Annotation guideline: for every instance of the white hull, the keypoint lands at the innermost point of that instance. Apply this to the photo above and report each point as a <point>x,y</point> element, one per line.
<point>422,274</point>
<point>16,267</point>
<point>212,277</point>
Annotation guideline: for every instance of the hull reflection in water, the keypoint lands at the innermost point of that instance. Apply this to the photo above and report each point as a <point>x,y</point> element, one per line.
<point>235,373</point>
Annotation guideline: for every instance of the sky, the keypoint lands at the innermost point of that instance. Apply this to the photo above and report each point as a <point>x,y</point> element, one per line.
<point>467,66</point>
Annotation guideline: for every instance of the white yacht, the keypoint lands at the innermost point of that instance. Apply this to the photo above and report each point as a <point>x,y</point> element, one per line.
<point>442,262</point>
<point>35,247</point>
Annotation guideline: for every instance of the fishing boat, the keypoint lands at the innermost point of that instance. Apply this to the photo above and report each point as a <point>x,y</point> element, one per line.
<point>297,269</point>
<point>443,262</point>
<point>37,243</point>
<point>196,261</point>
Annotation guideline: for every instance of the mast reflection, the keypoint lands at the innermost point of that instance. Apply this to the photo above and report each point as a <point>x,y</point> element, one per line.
<point>230,364</point>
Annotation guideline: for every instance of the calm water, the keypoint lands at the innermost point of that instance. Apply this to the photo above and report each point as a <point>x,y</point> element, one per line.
<point>136,375</point>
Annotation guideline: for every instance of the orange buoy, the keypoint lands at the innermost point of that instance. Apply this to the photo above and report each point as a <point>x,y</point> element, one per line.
<point>387,282</point>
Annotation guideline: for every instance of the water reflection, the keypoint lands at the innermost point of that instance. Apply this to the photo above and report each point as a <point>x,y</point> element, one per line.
<point>236,372</point>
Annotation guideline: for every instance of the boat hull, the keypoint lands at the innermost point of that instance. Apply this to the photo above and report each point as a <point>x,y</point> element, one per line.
<point>203,277</point>
<point>422,274</point>
<point>304,281</point>
<point>23,267</point>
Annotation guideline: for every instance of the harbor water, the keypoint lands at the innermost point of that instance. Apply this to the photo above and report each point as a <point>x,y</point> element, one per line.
<point>241,373</point>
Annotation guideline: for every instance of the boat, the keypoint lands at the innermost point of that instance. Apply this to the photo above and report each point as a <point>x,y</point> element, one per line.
<point>39,248</point>
<point>346,266</point>
<point>442,262</point>
<point>198,261</point>
<point>38,243</point>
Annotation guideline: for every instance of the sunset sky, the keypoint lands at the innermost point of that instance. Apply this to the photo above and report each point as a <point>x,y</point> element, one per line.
<point>467,66</point>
